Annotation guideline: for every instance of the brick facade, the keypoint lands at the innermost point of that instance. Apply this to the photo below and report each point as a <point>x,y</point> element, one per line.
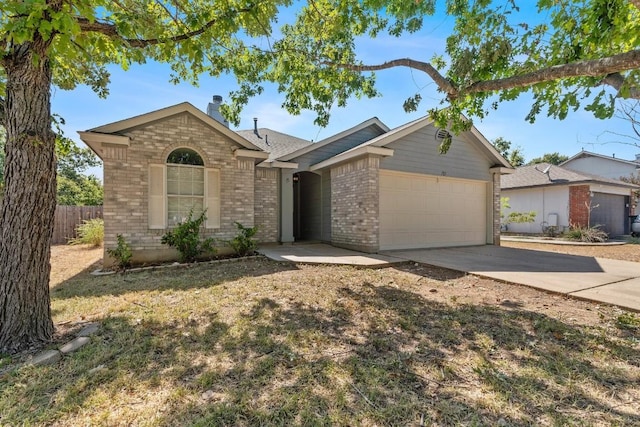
<point>266,204</point>
<point>126,183</point>
<point>354,214</point>
<point>579,201</point>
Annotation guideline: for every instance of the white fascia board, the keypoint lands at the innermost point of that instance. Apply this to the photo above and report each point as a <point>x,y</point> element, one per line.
<point>352,154</point>
<point>253,154</point>
<point>278,164</point>
<point>502,170</point>
<point>93,137</point>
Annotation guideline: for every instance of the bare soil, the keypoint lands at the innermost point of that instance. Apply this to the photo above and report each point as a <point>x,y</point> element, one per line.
<point>626,252</point>
<point>68,261</point>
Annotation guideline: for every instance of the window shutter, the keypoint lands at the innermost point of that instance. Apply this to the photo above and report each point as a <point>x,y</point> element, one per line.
<point>157,195</point>
<point>212,197</point>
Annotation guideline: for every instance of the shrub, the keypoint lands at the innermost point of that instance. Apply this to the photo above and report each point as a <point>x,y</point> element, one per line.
<point>122,253</point>
<point>587,234</point>
<point>186,238</point>
<point>633,240</point>
<point>90,232</point>
<point>243,243</point>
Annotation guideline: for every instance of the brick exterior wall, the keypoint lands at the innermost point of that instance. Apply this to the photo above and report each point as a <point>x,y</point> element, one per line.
<point>496,208</point>
<point>126,182</point>
<point>266,204</point>
<point>355,205</point>
<point>579,199</point>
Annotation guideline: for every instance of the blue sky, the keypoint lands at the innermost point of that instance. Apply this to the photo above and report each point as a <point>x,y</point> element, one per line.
<point>144,88</point>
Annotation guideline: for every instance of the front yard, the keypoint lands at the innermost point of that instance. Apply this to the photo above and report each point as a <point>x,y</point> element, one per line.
<point>262,343</point>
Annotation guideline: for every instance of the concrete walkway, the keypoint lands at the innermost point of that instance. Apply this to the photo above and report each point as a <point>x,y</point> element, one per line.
<point>596,279</point>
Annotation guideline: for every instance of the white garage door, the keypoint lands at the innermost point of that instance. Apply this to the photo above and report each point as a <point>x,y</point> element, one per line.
<point>422,211</point>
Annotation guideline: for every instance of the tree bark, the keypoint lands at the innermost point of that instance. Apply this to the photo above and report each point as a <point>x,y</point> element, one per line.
<point>28,206</point>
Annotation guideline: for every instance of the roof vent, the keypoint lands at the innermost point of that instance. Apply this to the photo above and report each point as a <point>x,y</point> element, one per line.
<point>442,135</point>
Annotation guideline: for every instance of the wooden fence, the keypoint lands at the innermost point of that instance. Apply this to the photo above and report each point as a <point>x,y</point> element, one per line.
<point>68,218</point>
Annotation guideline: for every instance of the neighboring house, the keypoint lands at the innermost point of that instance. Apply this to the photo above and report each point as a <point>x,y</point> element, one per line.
<point>606,166</point>
<point>367,188</point>
<point>562,197</point>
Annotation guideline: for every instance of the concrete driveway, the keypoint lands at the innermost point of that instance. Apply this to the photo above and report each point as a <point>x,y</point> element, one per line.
<point>597,279</point>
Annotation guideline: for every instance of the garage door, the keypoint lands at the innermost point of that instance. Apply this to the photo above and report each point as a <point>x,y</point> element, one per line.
<point>422,211</point>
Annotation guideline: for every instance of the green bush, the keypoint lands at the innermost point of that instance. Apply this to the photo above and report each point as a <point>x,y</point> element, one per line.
<point>243,244</point>
<point>587,234</point>
<point>122,253</point>
<point>186,238</point>
<point>633,240</point>
<point>90,232</point>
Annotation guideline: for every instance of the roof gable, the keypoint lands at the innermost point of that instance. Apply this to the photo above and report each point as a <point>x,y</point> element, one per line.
<point>122,126</point>
<point>585,154</point>
<point>373,123</point>
<point>545,174</point>
<point>401,131</point>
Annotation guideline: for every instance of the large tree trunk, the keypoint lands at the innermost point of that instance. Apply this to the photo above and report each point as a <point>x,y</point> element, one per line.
<point>28,206</point>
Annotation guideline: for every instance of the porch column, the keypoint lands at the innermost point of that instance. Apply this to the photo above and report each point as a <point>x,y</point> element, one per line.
<point>286,206</point>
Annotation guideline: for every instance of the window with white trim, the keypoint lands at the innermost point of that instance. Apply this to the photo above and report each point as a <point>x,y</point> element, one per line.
<point>185,185</point>
<point>182,185</point>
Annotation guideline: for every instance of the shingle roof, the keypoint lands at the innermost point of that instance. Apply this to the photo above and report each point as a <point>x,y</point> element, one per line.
<point>535,176</point>
<point>277,144</point>
<point>585,154</point>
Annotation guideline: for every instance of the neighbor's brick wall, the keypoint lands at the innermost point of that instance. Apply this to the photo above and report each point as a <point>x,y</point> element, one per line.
<point>355,204</point>
<point>266,203</point>
<point>126,176</point>
<point>579,198</point>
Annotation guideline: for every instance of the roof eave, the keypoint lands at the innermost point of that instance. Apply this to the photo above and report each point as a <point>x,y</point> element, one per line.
<point>351,155</point>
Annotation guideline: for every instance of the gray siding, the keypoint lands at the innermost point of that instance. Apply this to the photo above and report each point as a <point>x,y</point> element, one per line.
<point>418,153</point>
<point>336,147</point>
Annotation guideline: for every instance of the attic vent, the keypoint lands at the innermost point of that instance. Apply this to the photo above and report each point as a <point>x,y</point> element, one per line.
<point>442,135</point>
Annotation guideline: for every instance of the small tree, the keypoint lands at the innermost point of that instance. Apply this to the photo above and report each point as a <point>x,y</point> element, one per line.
<point>121,253</point>
<point>186,238</point>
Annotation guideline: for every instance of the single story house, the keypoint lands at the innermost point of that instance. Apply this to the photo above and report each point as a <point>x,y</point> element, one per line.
<point>562,197</point>
<point>368,188</point>
<point>606,166</point>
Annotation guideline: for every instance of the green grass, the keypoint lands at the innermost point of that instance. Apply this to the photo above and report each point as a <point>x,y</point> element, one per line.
<point>261,343</point>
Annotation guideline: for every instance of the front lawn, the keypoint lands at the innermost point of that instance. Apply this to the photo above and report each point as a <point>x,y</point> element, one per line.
<point>262,343</point>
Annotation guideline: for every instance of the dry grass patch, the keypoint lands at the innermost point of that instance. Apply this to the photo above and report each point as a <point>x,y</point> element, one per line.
<point>262,343</point>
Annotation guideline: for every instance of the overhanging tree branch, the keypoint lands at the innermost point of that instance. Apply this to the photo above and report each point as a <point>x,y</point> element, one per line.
<point>443,83</point>
<point>611,67</point>
<point>111,31</point>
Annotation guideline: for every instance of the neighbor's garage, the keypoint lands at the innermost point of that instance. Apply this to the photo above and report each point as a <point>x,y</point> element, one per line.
<point>421,211</point>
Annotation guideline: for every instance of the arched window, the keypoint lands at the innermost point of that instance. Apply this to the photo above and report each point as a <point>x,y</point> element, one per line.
<point>185,185</point>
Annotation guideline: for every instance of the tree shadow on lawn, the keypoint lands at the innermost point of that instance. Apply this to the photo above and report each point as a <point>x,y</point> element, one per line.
<point>374,354</point>
<point>183,277</point>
